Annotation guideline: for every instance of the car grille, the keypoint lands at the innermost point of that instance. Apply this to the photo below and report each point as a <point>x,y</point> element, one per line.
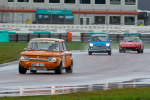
<point>99,47</point>
<point>36,59</point>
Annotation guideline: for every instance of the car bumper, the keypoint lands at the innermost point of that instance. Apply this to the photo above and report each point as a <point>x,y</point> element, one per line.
<point>130,48</point>
<point>47,65</point>
<point>100,51</point>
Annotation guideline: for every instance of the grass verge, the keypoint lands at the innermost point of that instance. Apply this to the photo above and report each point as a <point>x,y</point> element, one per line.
<point>118,94</point>
<point>11,51</point>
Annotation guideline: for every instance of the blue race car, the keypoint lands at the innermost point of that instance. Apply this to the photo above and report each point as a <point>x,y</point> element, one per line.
<point>99,44</point>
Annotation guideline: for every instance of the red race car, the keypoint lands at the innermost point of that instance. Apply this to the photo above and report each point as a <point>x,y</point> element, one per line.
<point>131,43</point>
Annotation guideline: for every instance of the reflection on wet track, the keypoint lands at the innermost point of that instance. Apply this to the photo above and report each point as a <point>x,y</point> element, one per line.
<point>53,90</point>
<point>91,73</point>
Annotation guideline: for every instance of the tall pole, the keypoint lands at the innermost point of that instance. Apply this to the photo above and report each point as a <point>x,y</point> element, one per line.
<point>8,14</point>
<point>65,17</point>
<point>51,16</point>
<point>2,15</point>
<point>93,17</point>
<point>12,15</point>
<point>79,17</point>
<point>22,14</point>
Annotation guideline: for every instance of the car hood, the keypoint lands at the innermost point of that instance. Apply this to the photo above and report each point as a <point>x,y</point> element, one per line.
<point>40,53</point>
<point>134,43</point>
<point>97,43</point>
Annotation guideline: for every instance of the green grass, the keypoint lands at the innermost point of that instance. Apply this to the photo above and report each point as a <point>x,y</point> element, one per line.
<point>11,51</point>
<point>118,94</point>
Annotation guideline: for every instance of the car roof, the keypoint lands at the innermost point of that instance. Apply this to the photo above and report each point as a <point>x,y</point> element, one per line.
<point>100,35</point>
<point>50,39</point>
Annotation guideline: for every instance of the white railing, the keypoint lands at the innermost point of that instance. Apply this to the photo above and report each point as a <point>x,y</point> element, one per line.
<point>73,28</point>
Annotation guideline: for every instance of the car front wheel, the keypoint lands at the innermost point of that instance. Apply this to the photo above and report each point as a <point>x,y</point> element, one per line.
<point>22,70</point>
<point>139,51</point>
<point>70,68</point>
<point>59,69</point>
<point>120,51</point>
<point>90,52</point>
<point>109,52</point>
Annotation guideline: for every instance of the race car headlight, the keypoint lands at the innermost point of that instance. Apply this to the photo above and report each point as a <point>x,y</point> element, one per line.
<point>24,58</point>
<point>107,44</point>
<point>91,45</point>
<point>137,44</point>
<point>52,59</point>
<point>120,44</point>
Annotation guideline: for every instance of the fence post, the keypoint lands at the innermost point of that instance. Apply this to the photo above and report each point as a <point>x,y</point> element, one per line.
<point>16,37</point>
<point>28,37</point>
<point>49,35</point>
<point>82,37</point>
<point>60,36</point>
<point>118,38</point>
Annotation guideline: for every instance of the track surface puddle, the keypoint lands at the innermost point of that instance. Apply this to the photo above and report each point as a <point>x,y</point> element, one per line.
<point>54,90</point>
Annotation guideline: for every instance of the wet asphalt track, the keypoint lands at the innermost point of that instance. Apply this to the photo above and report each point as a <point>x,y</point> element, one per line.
<point>94,69</point>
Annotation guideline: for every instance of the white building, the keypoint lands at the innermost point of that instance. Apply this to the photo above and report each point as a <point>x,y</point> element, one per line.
<point>84,12</point>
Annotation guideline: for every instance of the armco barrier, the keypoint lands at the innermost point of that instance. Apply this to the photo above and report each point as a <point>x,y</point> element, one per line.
<point>24,37</point>
<point>117,37</point>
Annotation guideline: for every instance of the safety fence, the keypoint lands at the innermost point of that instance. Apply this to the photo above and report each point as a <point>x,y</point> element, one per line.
<point>24,37</point>
<point>7,36</point>
<point>85,37</point>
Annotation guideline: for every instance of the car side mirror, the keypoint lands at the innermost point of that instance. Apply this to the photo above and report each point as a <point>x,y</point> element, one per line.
<point>25,49</point>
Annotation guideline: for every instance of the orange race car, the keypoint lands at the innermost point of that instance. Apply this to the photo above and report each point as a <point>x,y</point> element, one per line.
<point>46,54</point>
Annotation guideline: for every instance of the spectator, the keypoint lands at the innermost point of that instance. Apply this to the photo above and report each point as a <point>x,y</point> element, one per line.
<point>28,21</point>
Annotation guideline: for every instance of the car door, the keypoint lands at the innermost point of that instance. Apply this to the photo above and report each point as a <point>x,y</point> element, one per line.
<point>67,55</point>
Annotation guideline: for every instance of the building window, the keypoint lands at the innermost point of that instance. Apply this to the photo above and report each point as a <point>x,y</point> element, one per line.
<point>81,21</point>
<point>100,1</point>
<point>114,20</point>
<point>85,1</point>
<point>69,1</point>
<point>23,0</point>
<point>54,1</point>
<point>130,2</point>
<point>115,2</point>
<point>10,0</point>
<point>38,1</point>
<point>129,20</point>
<point>99,19</point>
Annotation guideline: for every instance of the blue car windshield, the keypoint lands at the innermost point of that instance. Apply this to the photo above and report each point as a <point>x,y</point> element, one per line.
<point>100,38</point>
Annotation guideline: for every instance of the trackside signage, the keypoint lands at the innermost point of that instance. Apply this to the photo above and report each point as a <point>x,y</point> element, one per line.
<point>4,37</point>
<point>53,11</point>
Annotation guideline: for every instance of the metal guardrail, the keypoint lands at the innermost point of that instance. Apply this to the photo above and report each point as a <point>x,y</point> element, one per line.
<point>24,37</point>
<point>116,37</point>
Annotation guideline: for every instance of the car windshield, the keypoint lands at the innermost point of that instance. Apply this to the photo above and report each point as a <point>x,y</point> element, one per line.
<point>44,45</point>
<point>131,39</point>
<point>99,38</point>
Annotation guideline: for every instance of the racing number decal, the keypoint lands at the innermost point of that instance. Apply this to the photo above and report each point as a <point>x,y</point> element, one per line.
<point>63,61</point>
